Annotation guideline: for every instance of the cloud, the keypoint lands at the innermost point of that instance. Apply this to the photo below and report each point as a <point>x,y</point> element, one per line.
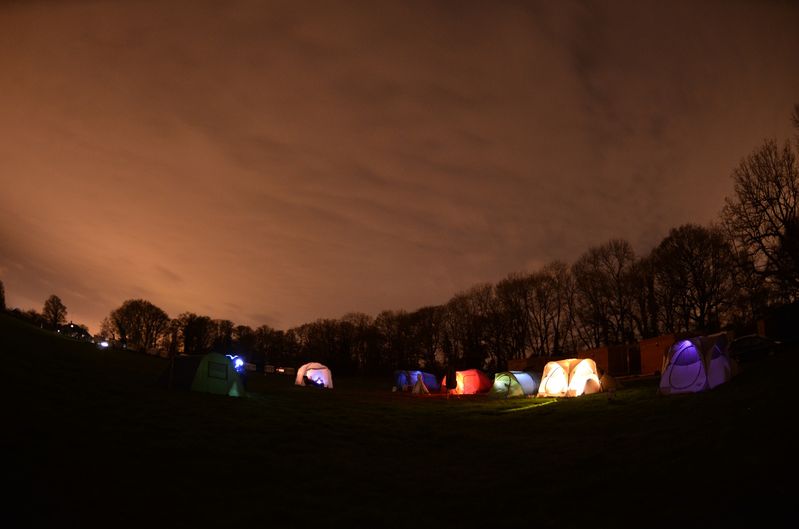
<point>275,163</point>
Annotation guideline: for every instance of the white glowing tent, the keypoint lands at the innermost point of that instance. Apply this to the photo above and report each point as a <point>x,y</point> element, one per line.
<point>317,372</point>
<point>569,378</point>
<point>697,364</point>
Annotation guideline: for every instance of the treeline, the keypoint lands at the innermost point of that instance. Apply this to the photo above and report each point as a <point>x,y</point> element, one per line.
<point>52,317</point>
<point>697,278</point>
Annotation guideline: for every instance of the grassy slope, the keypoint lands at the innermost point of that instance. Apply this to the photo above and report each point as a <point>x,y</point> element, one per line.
<point>95,442</point>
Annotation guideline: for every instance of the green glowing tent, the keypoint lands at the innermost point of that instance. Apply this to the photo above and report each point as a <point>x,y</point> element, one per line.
<point>514,384</point>
<point>216,375</point>
<point>210,373</point>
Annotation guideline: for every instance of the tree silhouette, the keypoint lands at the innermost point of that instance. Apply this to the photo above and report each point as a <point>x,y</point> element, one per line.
<point>694,271</point>
<point>645,312</point>
<point>196,333</point>
<point>603,300</point>
<point>760,215</point>
<point>54,312</point>
<point>138,324</point>
<point>2,296</point>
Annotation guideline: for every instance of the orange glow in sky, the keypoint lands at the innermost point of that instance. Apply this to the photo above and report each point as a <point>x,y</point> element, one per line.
<point>274,163</point>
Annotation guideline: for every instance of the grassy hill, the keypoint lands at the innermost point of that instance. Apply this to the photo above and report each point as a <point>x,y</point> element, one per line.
<point>92,440</point>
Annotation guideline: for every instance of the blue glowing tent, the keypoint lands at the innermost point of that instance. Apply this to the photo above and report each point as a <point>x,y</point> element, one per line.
<point>404,380</point>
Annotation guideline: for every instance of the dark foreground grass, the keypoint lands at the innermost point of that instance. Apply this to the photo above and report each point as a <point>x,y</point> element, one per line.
<point>92,441</point>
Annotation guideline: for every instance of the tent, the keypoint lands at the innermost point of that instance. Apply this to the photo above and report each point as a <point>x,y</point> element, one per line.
<point>514,384</point>
<point>469,382</point>
<point>216,374</point>
<point>698,364</point>
<point>420,388</point>
<point>569,378</point>
<point>210,373</point>
<point>317,373</point>
<point>407,379</point>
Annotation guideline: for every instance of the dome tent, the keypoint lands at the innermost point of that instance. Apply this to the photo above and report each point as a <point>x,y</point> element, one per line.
<point>698,364</point>
<point>583,378</point>
<point>317,373</point>
<point>469,382</point>
<point>407,379</point>
<point>420,388</point>
<point>209,373</point>
<point>569,378</point>
<point>217,374</point>
<point>514,384</point>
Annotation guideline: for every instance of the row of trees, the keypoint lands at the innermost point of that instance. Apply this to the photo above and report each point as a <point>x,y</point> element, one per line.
<point>52,316</point>
<point>697,279</point>
<point>690,281</point>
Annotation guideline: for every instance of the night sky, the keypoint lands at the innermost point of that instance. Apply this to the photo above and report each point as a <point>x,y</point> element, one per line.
<point>274,163</point>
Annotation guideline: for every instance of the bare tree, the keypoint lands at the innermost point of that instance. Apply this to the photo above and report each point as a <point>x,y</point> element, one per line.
<point>513,297</point>
<point>243,340</point>
<point>171,338</point>
<point>321,341</point>
<point>362,340</point>
<point>276,346</point>
<point>395,337</point>
<point>138,324</point>
<point>493,327</point>
<point>751,294</point>
<point>222,331</point>
<point>694,270</point>
<point>645,309</point>
<point>464,328</point>
<point>54,312</point>
<point>426,325</point>
<point>603,298</point>
<point>762,215</point>
<point>196,333</point>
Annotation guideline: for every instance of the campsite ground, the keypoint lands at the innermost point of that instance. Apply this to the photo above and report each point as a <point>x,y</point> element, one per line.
<point>93,441</point>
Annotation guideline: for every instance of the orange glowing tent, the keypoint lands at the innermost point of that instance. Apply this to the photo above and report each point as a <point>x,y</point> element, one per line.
<point>569,378</point>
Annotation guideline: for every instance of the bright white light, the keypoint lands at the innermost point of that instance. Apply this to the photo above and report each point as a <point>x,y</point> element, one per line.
<point>103,344</point>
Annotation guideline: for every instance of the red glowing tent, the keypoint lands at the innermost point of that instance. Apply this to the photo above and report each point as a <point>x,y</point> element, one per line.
<point>470,381</point>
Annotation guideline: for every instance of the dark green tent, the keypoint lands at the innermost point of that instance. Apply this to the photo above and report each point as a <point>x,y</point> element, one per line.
<point>210,373</point>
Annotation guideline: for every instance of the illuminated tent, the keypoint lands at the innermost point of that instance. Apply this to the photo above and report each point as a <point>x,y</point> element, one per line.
<point>514,384</point>
<point>569,378</point>
<point>420,388</point>
<point>407,379</point>
<point>697,364</point>
<point>210,373</point>
<point>315,371</point>
<point>469,382</point>
<point>217,374</point>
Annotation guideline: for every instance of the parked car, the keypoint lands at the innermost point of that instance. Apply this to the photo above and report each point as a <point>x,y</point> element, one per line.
<point>752,347</point>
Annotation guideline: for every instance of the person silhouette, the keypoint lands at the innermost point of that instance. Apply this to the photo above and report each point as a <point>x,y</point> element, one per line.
<point>452,380</point>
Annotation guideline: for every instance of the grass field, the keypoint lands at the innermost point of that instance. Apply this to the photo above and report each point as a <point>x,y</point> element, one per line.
<point>92,440</point>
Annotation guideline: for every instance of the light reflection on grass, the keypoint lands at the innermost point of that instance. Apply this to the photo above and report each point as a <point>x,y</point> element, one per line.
<point>529,406</point>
